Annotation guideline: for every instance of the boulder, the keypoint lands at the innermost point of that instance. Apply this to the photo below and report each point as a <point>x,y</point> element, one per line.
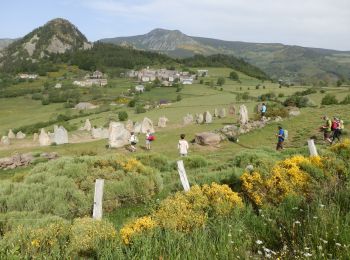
<point>20,135</point>
<point>84,106</point>
<point>199,118</point>
<point>35,137</point>
<point>188,119</point>
<point>293,111</point>
<point>207,138</point>
<point>99,133</point>
<point>232,110</point>
<point>5,140</point>
<point>44,138</point>
<point>118,135</point>
<point>60,135</point>
<point>208,118</point>
<point>11,135</point>
<point>243,115</point>
<point>162,121</point>
<point>87,126</point>
<point>146,125</point>
<point>222,113</point>
<point>129,125</point>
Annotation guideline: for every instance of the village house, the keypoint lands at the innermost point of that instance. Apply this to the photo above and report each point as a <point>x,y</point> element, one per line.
<point>96,79</point>
<point>202,73</point>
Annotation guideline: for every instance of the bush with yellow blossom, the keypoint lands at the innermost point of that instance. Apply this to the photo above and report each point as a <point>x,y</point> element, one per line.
<point>285,178</point>
<point>185,211</point>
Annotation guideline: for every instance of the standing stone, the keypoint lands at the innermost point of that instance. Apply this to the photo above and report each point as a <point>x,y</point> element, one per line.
<point>99,133</point>
<point>232,109</point>
<point>60,135</point>
<point>5,140</point>
<point>51,136</point>
<point>199,118</point>
<point>222,112</point>
<point>243,115</point>
<point>44,138</point>
<point>35,137</point>
<point>188,119</point>
<point>118,135</point>
<point>129,125</point>
<point>208,118</point>
<point>87,126</point>
<point>162,121</point>
<point>137,127</point>
<point>11,135</point>
<point>216,113</point>
<point>146,125</point>
<point>20,135</point>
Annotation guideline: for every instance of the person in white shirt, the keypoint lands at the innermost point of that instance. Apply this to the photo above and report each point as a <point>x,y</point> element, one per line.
<point>133,141</point>
<point>183,145</point>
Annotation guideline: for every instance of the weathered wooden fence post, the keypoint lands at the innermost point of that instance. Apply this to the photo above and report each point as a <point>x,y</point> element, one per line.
<point>97,212</point>
<point>312,147</point>
<point>183,176</point>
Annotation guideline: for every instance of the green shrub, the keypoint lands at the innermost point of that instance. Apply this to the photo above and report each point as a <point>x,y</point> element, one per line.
<point>140,109</point>
<point>346,100</point>
<point>123,115</point>
<point>132,103</point>
<point>195,161</point>
<point>329,99</point>
<point>296,101</point>
<point>45,101</point>
<point>37,96</point>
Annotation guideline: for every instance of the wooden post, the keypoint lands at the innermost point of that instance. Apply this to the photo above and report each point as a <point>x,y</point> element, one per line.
<point>312,147</point>
<point>97,212</point>
<point>183,176</point>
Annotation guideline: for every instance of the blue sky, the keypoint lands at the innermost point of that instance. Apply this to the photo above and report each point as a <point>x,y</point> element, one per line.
<point>314,23</point>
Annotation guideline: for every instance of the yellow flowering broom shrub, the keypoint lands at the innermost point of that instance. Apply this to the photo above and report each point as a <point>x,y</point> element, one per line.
<point>185,211</point>
<point>286,178</point>
<point>136,227</point>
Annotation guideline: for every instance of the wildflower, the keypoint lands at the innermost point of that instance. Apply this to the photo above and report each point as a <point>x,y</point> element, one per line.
<point>259,252</point>
<point>321,206</point>
<point>307,254</point>
<point>338,244</point>
<point>319,247</point>
<point>229,235</point>
<point>297,222</point>
<point>259,242</point>
<point>315,217</point>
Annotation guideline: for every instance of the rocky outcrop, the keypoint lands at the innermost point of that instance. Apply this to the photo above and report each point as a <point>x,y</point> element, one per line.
<point>118,135</point>
<point>84,106</point>
<point>207,138</point>
<point>293,111</point>
<point>22,160</point>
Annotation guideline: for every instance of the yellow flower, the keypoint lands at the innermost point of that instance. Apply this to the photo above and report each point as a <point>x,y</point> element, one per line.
<point>136,227</point>
<point>35,242</point>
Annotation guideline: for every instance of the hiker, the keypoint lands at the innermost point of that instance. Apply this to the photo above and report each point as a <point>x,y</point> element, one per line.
<point>263,110</point>
<point>133,141</point>
<point>182,146</point>
<point>337,126</point>
<point>149,139</point>
<point>280,137</point>
<point>327,129</point>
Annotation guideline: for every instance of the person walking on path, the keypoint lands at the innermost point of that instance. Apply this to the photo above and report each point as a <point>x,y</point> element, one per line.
<point>148,139</point>
<point>133,141</point>
<point>280,138</point>
<point>327,129</point>
<point>183,146</point>
<point>337,126</point>
<point>263,110</point>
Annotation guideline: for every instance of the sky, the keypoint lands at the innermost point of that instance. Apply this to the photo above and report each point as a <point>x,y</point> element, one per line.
<point>312,23</point>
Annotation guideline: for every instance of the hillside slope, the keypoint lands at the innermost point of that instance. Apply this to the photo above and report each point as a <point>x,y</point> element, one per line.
<point>278,60</point>
<point>56,36</point>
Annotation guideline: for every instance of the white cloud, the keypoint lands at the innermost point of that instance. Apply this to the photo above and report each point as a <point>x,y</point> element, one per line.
<point>318,23</point>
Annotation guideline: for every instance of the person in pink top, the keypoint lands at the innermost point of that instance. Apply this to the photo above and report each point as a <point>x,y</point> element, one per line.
<point>183,145</point>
